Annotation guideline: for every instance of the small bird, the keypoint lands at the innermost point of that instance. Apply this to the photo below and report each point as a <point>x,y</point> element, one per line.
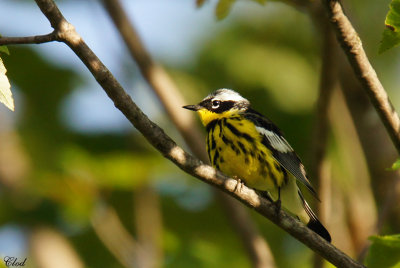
<point>244,144</point>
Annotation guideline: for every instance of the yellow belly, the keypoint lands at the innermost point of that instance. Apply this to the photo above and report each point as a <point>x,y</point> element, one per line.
<point>245,157</point>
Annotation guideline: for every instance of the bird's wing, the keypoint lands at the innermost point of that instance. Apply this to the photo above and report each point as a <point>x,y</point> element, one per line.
<point>281,150</point>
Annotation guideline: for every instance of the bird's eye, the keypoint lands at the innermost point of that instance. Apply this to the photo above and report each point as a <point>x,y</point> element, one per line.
<point>215,104</point>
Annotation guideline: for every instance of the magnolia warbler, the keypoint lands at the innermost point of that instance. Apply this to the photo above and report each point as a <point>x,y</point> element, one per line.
<point>244,144</point>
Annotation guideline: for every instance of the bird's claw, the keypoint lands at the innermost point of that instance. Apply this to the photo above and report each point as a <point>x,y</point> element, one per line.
<point>278,205</point>
<point>239,184</point>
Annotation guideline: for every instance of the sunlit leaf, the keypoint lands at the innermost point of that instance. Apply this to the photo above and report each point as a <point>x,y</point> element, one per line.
<point>223,8</point>
<point>395,166</point>
<point>5,92</point>
<point>384,252</point>
<point>391,34</point>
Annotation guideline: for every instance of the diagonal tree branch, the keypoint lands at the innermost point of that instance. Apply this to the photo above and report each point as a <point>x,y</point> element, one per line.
<point>352,46</point>
<point>156,136</point>
<point>172,100</point>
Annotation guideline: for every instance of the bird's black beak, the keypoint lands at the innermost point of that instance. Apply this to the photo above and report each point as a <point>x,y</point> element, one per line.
<point>192,107</point>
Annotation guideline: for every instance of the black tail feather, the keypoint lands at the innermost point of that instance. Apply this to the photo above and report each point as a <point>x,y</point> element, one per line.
<point>314,224</point>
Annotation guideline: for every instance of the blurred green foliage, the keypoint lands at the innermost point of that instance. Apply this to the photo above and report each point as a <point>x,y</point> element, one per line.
<point>384,252</point>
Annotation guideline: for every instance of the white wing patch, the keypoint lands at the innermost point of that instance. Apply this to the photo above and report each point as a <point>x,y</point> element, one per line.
<point>277,142</point>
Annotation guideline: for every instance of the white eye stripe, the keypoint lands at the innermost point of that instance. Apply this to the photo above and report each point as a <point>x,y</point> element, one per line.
<point>277,142</point>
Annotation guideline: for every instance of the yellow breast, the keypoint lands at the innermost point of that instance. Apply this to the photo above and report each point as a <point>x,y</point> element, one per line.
<point>235,148</point>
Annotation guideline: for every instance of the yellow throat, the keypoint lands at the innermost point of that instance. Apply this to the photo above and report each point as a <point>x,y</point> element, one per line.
<point>207,116</point>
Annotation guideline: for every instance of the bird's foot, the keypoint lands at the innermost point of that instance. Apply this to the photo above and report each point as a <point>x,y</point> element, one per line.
<point>278,206</point>
<point>239,185</point>
<point>278,203</point>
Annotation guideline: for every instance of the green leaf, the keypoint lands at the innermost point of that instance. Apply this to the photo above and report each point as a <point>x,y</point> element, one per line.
<point>223,8</point>
<point>4,49</point>
<point>391,34</point>
<point>395,166</point>
<point>384,252</point>
<point>5,92</point>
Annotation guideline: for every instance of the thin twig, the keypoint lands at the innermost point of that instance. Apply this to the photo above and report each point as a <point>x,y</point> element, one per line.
<point>328,79</point>
<point>108,227</point>
<point>360,206</point>
<point>256,246</point>
<point>172,100</point>
<point>148,224</point>
<point>352,46</point>
<point>156,136</point>
<point>371,131</point>
<point>37,39</point>
<point>49,248</point>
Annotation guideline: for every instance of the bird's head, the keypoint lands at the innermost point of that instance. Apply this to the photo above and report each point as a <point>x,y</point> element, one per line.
<point>219,104</point>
